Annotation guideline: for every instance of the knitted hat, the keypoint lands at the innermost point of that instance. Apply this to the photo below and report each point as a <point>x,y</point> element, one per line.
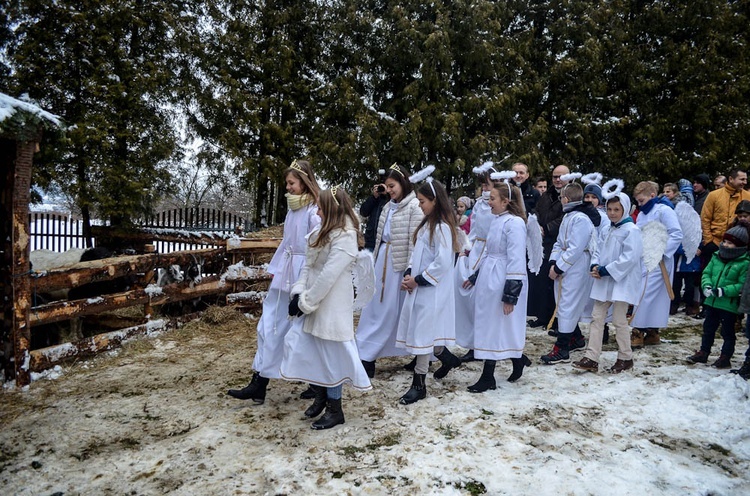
<point>737,235</point>
<point>468,202</point>
<point>594,189</point>
<point>743,206</point>
<point>703,179</point>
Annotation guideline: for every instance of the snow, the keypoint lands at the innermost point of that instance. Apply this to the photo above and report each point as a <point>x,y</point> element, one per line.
<point>159,421</point>
<point>9,106</point>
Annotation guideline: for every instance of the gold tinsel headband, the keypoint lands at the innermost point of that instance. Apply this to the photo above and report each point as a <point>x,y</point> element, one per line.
<point>396,168</point>
<point>296,167</point>
<point>334,190</point>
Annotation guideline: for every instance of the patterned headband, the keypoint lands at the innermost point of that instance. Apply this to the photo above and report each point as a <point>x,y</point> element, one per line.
<point>296,167</point>
<point>396,168</point>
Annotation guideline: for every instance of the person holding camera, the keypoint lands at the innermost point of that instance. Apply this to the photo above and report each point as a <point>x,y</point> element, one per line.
<point>371,209</point>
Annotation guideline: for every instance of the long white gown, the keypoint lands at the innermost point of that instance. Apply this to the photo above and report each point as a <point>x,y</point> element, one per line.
<point>285,266</point>
<point>497,336</point>
<point>427,316</point>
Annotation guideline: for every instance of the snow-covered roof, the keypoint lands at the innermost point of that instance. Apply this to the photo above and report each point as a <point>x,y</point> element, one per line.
<point>17,114</point>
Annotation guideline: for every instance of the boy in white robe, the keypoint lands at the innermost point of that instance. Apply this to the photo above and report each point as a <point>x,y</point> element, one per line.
<point>615,268</point>
<point>569,268</point>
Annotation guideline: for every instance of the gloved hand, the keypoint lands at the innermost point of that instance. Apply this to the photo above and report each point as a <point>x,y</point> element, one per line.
<point>708,291</point>
<point>719,292</point>
<point>294,310</point>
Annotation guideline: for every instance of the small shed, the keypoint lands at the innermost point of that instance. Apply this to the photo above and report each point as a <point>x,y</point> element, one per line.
<point>21,127</point>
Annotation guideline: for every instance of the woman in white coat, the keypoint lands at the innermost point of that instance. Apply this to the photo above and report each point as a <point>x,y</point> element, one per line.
<point>302,195</point>
<point>320,348</point>
<point>502,289</point>
<point>427,318</point>
<point>394,243</point>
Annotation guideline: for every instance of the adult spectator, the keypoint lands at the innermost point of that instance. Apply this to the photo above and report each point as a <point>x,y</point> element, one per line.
<point>718,209</point>
<point>530,194</point>
<point>701,185</point>
<point>719,181</point>
<point>371,209</point>
<point>541,303</point>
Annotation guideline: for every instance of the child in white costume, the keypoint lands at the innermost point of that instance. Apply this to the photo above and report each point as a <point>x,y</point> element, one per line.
<point>468,265</point>
<point>502,290</point>
<point>320,349</point>
<point>427,317</point>
<point>286,264</point>
<point>570,260</point>
<point>652,310</point>
<point>616,269</point>
<point>376,331</point>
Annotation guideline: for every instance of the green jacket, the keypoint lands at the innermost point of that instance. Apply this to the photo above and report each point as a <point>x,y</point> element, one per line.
<point>729,276</point>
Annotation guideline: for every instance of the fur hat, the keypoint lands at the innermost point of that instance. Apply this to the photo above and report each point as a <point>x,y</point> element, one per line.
<point>594,189</point>
<point>737,235</point>
<point>743,206</point>
<point>703,180</point>
<point>468,202</point>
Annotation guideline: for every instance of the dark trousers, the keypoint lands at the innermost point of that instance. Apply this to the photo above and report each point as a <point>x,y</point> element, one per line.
<point>716,317</point>
<point>688,297</point>
<point>541,299</point>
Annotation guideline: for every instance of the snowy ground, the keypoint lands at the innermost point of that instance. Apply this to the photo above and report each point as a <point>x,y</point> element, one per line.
<point>154,419</point>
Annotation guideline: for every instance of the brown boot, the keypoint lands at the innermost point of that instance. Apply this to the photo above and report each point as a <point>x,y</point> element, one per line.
<point>652,337</point>
<point>621,366</point>
<point>692,309</point>
<point>636,339</point>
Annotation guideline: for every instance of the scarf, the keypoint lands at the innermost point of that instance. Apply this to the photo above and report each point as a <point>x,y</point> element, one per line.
<point>571,205</point>
<point>295,202</point>
<point>626,220</point>
<point>727,253</point>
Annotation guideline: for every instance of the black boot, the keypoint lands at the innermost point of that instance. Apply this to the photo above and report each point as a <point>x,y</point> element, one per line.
<point>487,380</point>
<point>605,336</point>
<point>417,392</point>
<point>321,395</point>
<point>469,357</point>
<point>448,361</point>
<point>518,365</point>
<point>410,366</point>
<point>333,416</point>
<point>308,393</point>
<point>369,368</point>
<point>743,371</point>
<point>255,391</point>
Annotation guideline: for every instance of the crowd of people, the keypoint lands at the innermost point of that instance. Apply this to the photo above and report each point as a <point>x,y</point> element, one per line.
<point>438,274</point>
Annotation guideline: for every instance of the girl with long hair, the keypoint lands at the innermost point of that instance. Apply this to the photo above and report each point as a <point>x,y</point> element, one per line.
<point>427,322</point>
<point>320,348</point>
<point>285,266</point>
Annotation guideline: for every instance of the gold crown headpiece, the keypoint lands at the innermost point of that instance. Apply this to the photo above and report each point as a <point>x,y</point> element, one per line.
<point>334,190</point>
<point>296,167</point>
<point>396,168</point>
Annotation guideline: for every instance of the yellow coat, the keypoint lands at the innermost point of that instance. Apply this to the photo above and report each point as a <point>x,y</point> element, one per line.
<point>717,213</point>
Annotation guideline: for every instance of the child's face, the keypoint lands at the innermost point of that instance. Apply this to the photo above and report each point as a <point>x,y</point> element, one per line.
<point>393,188</point>
<point>460,207</point>
<point>669,193</point>
<point>487,186</point>
<point>728,244</point>
<point>643,198</point>
<point>541,186</point>
<point>743,216</point>
<point>497,205</point>
<point>425,204</point>
<point>294,185</point>
<point>592,198</point>
<point>615,211</point>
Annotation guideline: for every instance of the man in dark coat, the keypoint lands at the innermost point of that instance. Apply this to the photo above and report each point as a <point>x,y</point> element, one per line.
<point>371,209</point>
<point>701,184</point>
<point>541,302</point>
<point>530,194</point>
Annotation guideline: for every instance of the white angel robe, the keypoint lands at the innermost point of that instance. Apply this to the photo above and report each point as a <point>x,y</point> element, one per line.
<point>572,252</point>
<point>602,231</point>
<point>497,336</point>
<point>620,253</point>
<point>285,266</point>
<point>378,322</point>
<point>481,218</point>
<point>652,310</point>
<point>428,314</point>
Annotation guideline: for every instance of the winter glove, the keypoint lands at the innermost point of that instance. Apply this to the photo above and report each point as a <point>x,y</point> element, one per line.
<point>708,292</point>
<point>294,310</point>
<point>473,278</point>
<point>511,291</point>
<point>719,292</point>
<point>603,272</point>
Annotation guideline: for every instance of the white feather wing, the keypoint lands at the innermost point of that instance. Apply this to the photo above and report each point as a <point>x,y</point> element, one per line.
<point>534,248</point>
<point>363,273</point>
<point>654,244</point>
<point>690,223</point>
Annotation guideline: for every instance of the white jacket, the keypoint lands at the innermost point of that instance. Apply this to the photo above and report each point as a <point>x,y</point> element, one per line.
<point>325,287</point>
<point>621,255</point>
<point>404,223</point>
